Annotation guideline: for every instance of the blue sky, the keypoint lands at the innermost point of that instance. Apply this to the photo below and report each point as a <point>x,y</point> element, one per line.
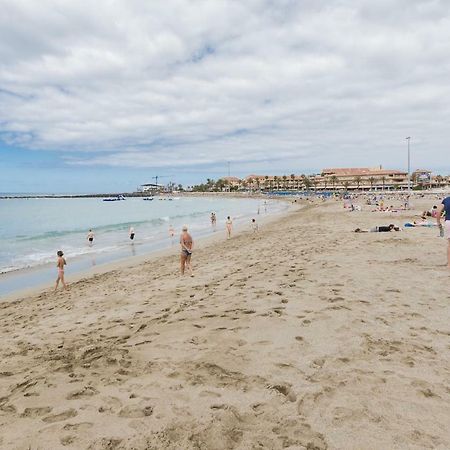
<point>102,99</point>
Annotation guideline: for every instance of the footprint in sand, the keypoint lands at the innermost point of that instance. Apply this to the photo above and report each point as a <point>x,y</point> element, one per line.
<point>286,390</point>
<point>134,412</point>
<point>36,412</point>
<point>60,417</point>
<point>210,394</point>
<point>87,391</point>
<point>68,440</point>
<point>82,426</point>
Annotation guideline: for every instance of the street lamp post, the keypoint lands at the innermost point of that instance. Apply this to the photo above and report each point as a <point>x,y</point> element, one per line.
<point>409,170</point>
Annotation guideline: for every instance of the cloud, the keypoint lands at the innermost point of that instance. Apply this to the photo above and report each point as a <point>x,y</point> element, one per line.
<point>276,85</point>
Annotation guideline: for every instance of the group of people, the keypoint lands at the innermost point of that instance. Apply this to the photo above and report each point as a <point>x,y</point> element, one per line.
<point>440,212</point>
<point>186,243</point>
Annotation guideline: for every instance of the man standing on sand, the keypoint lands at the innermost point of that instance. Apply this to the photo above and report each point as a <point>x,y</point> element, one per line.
<point>445,229</point>
<point>187,245</point>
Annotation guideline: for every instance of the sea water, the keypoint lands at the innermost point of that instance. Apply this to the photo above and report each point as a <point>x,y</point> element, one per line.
<point>33,230</point>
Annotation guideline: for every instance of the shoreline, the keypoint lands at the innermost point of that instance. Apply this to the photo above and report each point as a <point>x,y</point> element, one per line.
<point>128,261</point>
<point>244,194</point>
<point>305,335</point>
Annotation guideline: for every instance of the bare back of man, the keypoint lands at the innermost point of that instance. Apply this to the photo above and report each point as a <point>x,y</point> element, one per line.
<point>187,244</point>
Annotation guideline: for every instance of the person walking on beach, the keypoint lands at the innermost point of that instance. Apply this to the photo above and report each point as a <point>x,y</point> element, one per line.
<point>229,226</point>
<point>61,262</point>
<point>444,207</point>
<point>90,237</point>
<point>187,245</point>
<point>255,227</point>
<point>132,234</point>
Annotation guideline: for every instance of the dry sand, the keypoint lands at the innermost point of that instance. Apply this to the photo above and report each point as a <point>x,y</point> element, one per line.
<point>304,335</point>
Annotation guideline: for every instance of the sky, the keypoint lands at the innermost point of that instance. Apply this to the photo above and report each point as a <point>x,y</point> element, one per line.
<point>102,96</point>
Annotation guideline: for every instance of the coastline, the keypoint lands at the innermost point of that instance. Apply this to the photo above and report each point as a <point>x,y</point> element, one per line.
<point>305,335</point>
<point>131,261</point>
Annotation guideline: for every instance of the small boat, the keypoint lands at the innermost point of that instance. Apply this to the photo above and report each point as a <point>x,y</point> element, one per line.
<point>114,199</point>
<point>149,199</point>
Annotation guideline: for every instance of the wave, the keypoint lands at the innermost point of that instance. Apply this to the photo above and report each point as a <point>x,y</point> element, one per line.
<point>122,226</point>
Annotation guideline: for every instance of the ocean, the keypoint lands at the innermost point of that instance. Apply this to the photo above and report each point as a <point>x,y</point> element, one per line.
<point>33,230</point>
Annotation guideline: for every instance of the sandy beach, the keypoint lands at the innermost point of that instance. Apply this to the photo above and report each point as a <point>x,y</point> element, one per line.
<point>302,336</point>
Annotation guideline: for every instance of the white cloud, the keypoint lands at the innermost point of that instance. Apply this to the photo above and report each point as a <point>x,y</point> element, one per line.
<point>275,85</point>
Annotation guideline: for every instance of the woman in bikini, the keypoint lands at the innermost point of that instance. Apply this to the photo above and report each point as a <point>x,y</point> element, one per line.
<point>187,245</point>
<point>61,262</point>
<point>229,225</point>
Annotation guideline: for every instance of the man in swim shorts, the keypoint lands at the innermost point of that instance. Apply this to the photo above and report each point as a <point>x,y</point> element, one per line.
<point>187,245</point>
<point>90,237</point>
<point>444,207</point>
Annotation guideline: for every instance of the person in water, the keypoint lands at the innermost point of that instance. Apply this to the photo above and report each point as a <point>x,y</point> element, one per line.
<point>213,220</point>
<point>61,262</point>
<point>229,226</point>
<point>90,237</point>
<point>171,233</point>
<point>187,244</point>
<point>132,233</point>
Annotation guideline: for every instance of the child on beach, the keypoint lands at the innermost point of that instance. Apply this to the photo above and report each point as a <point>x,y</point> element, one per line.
<point>61,262</point>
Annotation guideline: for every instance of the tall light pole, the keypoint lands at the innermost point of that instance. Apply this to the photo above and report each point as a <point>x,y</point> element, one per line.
<point>409,170</point>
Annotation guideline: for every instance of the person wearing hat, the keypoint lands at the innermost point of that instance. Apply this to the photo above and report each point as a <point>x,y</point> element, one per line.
<point>61,262</point>
<point>187,245</point>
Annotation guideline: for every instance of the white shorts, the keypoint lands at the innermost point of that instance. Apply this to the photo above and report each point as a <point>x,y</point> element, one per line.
<point>447,229</point>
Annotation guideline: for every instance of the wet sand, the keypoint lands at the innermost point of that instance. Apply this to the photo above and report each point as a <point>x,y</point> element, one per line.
<point>304,335</point>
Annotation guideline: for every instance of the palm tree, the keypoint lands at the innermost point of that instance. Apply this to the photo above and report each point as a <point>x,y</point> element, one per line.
<point>284,181</point>
<point>307,183</point>
<point>293,180</point>
<point>372,182</point>
<point>346,185</point>
<point>383,180</point>
<point>266,181</point>
<point>334,180</point>
<point>357,181</point>
<point>439,179</point>
<point>275,180</point>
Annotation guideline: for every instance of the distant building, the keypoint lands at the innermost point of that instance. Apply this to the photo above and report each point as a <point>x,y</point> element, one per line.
<point>232,181</point>
<point>149,187</point>
<point>362,178</point>
<point>343,179</point>
<point>422,177</point>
